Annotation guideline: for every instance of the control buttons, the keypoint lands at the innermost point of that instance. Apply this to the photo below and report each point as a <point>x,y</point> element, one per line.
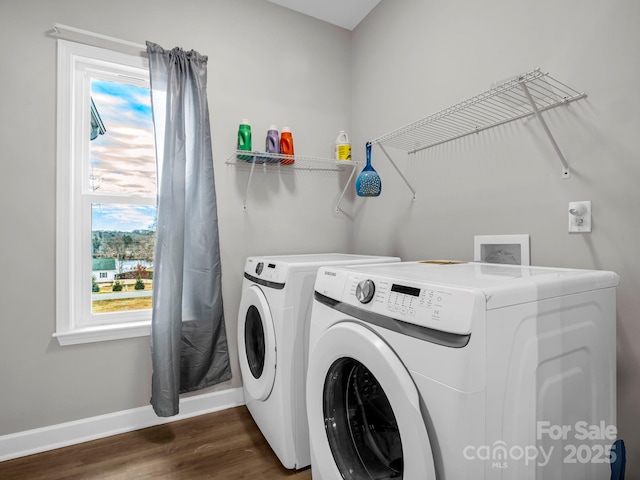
<point>259,268</point>
<point>365,291</point>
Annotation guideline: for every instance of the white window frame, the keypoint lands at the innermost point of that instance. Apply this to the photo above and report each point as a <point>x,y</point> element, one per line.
<point>75,323</point>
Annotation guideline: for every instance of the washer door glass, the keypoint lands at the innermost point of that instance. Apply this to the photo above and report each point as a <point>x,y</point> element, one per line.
<point>256,343</point>
<point>362,430</point>
<point>363,407</point>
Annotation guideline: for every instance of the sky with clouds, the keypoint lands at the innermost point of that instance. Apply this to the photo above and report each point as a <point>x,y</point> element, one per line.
<point>122,217</point>
<point>123,159</point>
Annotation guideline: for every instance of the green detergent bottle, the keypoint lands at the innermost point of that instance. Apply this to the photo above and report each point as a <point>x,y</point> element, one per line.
<point>244,140</point>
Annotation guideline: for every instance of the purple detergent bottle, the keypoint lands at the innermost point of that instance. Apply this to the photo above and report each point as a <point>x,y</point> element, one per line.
<point>272,143</point>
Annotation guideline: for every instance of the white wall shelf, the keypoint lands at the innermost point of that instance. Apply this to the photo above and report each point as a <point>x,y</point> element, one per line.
<point>273,161</point>
<point>523,96</point>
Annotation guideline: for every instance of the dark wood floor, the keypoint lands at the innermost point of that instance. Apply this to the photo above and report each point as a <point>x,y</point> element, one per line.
<point>222,445</point>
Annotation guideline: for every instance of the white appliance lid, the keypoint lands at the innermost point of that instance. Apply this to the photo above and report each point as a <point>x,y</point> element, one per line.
<point>322,258</point>
<point>502,285</point>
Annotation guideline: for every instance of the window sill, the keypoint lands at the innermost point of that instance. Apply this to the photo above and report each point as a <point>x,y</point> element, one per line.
<point>103,333</point>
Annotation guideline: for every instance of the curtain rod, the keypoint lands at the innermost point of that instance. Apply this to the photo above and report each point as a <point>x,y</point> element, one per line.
<point>59,28</point>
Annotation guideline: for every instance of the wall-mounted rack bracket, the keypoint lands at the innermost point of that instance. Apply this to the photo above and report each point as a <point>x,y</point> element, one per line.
<point>268,161</point>
<point>398,170</point>
<point>522,96</point>
<point>566,171</point>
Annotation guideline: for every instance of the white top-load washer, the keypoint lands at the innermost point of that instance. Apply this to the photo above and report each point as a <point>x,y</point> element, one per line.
<point>456,371</point>
<point>273,339</point>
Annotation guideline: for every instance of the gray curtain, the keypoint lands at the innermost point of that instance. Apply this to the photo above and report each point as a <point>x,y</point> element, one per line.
<point>188,338</point>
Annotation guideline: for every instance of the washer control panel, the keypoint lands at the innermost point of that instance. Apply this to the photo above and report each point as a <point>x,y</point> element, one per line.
<point>266,269</point>
<point>410,300</point>
<point>430,305</point>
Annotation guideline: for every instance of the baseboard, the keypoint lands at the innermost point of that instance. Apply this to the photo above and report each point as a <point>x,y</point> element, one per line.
<point>70,433</point>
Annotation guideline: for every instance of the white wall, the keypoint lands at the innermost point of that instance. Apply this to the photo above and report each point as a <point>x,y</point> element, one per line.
<point>409,58</point>
<point>414,57</point>
<point>267,64</point>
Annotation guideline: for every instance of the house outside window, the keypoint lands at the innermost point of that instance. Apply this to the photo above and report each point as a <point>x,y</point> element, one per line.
<point>104,269</point>
<point>106,195</point>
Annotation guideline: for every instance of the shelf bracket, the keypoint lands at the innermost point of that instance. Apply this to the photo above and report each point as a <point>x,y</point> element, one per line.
<point>566,171</point>
<point>273,160</point>
<point>246,192</point>
<point>346,185</point>
<point>398,170</point>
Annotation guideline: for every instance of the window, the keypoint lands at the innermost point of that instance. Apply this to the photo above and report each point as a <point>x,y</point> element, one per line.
<point>106,195</point>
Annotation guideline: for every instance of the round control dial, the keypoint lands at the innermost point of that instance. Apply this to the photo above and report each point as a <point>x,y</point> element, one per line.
<point>259,268</point>
<point>365,291</point>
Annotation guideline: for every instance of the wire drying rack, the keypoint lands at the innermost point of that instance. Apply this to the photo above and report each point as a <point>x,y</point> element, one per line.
<point>523,96</point>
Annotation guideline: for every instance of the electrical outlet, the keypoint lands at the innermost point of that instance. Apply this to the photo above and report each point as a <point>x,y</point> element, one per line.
<point>580,217</point>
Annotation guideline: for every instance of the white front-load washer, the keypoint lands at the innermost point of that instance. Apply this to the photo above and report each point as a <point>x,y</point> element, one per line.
<point>273,339</point>
<point>461,371</point>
